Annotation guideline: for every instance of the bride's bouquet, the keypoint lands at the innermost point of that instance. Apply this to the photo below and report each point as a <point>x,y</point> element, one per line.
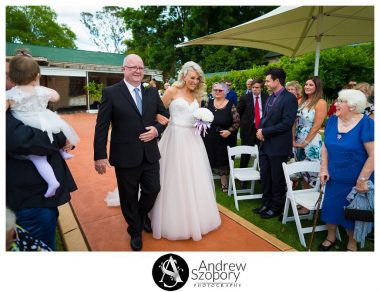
<point>203,118</point>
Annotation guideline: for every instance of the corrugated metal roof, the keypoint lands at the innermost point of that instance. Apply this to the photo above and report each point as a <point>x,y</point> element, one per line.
<point>68,55</point>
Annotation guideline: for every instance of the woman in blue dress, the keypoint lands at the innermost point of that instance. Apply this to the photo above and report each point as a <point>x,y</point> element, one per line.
<point>347,162</point>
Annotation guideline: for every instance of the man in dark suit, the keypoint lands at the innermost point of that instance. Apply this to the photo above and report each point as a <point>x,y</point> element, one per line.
<point>25,188</point>
<point>275,135</point>
<point>132,110</point>
<point>251,108</point>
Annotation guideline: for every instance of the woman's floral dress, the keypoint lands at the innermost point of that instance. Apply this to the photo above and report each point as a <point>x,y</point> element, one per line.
<point>312,151</point>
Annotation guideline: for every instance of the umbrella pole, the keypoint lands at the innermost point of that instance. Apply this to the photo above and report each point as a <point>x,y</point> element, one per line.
<point>317,54</point>
<point>318,38</point>
<point>318,205</point>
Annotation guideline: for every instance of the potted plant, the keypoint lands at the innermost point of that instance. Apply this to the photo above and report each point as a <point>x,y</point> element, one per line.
<point>95,92</point>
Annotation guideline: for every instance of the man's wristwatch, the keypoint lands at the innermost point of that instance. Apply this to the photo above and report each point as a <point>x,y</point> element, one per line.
<point>362,178</point>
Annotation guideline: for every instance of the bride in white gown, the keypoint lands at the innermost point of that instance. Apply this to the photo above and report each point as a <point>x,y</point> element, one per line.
<point>185,207</point>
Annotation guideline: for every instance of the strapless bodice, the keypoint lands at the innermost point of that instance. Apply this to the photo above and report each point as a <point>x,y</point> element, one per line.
<point>181,112</point>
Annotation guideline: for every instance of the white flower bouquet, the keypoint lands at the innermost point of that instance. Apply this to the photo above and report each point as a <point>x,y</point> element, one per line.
<point>203,118</point>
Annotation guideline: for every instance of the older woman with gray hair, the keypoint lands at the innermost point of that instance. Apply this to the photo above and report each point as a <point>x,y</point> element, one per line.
<point>347,162</point>
<point>221,134</point>
<point>18,239</point>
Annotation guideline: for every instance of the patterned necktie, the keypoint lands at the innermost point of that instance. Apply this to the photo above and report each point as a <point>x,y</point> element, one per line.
<point>138,99</point>
<point>257,112</point>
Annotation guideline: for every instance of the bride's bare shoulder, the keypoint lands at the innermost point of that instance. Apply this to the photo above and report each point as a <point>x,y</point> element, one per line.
<point>169,95</point>
<point>172,91</point>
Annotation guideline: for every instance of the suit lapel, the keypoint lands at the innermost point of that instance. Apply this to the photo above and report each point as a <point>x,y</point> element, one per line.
<point>278,101</point>
<point>264,99</point>
<point>250,102</point>
<point>144,95</point>
<point>128,96</point>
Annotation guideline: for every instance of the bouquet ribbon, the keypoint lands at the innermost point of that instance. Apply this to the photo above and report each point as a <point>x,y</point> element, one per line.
<point>201,127</point>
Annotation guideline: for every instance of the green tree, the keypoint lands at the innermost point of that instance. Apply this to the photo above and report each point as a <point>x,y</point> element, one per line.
<point>37,25</point>
<point>107,28</point>
<point>337,67</point>
<point>157,29</point>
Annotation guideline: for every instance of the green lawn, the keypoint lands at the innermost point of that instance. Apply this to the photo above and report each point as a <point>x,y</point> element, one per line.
<point>58,241</point>
<point>284,232</point>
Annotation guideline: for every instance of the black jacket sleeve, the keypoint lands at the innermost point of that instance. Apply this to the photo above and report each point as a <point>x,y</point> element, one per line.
<point>25,140</point>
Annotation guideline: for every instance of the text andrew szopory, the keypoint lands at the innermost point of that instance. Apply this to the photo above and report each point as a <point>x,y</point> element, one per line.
<point>216,272</point>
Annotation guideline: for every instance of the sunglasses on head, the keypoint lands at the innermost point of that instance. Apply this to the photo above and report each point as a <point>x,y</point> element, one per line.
<point>340,100</point>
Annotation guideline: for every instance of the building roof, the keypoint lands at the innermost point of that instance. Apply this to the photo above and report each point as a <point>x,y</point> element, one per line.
<point>76,59</point>
<point>68,55</point>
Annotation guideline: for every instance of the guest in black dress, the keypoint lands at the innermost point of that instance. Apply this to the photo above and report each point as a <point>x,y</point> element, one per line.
<point>221,134</point>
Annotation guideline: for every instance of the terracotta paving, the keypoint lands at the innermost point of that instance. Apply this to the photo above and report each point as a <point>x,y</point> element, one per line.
<point>105,229</point>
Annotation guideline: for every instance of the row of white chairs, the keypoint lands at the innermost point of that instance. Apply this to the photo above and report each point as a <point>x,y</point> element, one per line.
<point>251,174</point>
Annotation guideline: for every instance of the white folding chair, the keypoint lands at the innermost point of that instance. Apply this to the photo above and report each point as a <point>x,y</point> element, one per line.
<point>248,174</point>
<point>306,198</point>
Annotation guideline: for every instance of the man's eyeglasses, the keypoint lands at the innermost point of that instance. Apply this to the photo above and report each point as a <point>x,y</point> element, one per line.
<point>228,84</point>
<point>218,90</point>
<point>134,68</point>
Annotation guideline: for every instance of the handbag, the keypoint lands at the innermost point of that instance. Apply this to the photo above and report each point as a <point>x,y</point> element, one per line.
<point>366,215</point>
<point>359,214</point>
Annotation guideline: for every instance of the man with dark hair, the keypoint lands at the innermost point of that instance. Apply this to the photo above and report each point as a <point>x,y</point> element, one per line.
<point>251,108</point>
<point>275,135</point>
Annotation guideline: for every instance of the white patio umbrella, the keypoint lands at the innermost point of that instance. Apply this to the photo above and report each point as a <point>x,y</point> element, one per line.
<point>297,30</point>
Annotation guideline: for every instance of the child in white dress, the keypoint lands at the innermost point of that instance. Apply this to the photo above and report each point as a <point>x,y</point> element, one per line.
<point>28,102</point>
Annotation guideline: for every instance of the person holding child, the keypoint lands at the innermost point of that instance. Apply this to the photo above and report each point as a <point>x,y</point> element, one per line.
<point>25,188</point>
<point>28,102</point>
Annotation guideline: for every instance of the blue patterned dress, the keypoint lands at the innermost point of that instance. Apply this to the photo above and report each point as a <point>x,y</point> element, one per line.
<point>346,157</point>
<point>312,151</point>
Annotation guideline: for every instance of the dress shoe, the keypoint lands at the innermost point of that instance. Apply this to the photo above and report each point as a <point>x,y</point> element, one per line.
<point>260,210</point>
<point>326,247</point>
<point>269,214</point>
<point>136,243</point>
<point>147,224</point>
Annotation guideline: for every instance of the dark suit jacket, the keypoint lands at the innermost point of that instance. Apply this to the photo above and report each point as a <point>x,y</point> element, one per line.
<point>25,186</point>
<point>277,124</point>
<point>246,111</point>
<point>119,110</point>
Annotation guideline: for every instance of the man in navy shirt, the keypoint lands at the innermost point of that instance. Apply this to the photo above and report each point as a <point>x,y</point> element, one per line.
<point>231,94</point>
<point>275,136</point>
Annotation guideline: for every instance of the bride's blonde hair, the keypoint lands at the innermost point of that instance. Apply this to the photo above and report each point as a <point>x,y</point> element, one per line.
<point>200,91</point>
